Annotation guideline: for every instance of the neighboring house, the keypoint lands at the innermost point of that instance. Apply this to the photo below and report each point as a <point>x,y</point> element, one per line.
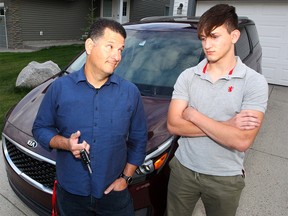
<point>271,19</point>
<point>26,21</point>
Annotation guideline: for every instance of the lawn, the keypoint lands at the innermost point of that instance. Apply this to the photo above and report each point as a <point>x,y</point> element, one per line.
<point>11,65</point>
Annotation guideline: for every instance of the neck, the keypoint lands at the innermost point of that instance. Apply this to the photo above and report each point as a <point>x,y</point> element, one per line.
<point>223,64</point>
<point>94,78</point>
<point>220,68</point>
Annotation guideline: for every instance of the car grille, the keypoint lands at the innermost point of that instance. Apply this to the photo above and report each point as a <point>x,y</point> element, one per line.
<point>42,172</point>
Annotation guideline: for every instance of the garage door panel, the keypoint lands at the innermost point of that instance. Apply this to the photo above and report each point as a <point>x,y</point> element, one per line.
<point>268,76</point>
<point>273,75</point>
<point>270,53</point>
<point>284,77</point>
<point>270,32</point>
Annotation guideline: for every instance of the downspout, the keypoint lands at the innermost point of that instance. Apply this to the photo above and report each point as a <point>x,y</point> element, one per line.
<point>171,6</point>
<point>121,12</point>
<point>191,7</point>
<point>5,24</point>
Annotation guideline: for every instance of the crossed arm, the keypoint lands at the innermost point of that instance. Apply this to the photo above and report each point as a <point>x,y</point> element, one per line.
<point>237,133</point>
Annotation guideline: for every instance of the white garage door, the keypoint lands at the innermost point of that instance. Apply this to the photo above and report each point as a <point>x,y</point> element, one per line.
<point>272,24</point>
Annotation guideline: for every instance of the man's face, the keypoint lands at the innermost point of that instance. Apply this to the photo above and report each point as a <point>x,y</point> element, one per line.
<point>105,53</point>
<point>219,43</point>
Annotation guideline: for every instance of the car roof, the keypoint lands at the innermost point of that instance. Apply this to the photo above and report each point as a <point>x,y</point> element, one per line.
<point>168,21</point>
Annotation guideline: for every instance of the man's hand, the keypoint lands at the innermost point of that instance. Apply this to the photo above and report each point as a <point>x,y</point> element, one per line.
<point>188,113</point>
<point>75,147</point>
<point>245,120</point>
<point>118,185</point>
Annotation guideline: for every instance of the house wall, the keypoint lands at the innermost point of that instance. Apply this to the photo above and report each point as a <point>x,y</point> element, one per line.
<point>40,20</point>
<point>145,8</point>
<point>53,19</point>
<point>3,35</point>
<point>184,9</point>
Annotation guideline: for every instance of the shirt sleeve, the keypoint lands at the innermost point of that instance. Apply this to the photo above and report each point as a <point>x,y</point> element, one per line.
<point>44,128</point>
<point>181,87</point>
<point>137,137</point>
<point>256,93</point>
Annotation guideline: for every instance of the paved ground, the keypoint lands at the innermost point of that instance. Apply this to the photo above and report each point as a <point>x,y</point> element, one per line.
<point>266,191</point>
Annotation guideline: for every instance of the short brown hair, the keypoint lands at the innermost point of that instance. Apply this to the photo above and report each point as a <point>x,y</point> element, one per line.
<point>217,16</point>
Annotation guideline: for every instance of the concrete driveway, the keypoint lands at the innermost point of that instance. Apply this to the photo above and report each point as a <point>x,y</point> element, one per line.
<point>266,191</point>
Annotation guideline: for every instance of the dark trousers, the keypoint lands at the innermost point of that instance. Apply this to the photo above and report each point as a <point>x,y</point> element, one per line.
<point>116,203</point>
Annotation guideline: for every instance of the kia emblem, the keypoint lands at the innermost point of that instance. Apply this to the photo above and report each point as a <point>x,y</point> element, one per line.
<point>32,143</point>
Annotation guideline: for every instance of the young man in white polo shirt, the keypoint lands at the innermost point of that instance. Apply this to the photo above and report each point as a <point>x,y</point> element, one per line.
<point>217,108</point>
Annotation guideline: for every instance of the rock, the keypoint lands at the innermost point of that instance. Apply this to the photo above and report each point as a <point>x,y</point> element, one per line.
<point>35,73</point>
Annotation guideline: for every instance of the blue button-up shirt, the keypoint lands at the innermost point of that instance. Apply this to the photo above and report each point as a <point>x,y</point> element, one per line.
<point>111,119</point>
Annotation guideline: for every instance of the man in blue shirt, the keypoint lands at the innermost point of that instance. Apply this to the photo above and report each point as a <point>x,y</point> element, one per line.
<point>95,110</point>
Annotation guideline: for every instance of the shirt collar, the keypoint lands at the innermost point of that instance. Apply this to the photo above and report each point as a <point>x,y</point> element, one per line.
<point>239,70</point>
<point>79,76</point>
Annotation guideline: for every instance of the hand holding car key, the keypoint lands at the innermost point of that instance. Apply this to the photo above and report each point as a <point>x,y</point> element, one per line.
<point>85,158</point>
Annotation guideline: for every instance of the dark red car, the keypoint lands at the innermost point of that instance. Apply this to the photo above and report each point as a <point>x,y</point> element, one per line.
<point>157,50</point>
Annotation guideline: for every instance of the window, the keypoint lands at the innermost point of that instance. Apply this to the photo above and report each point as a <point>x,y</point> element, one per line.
<point>107,8</point>
<point>154,59</point>
<point>124,9</point>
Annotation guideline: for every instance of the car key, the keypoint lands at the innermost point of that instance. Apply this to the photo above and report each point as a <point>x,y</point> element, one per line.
<point>85,158</point>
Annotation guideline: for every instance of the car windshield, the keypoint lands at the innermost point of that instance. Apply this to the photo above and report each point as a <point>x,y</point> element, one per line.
<point>154,59</point>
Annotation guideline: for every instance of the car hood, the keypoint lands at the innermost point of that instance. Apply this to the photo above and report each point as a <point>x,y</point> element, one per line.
<point>20,120</point>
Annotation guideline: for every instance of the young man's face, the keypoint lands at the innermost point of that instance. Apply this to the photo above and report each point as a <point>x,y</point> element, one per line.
<point>219,43</point>
<point>105,53</point>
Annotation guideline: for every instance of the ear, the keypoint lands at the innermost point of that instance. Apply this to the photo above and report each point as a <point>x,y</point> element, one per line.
<point>235,35</point>
<point>89,43</point>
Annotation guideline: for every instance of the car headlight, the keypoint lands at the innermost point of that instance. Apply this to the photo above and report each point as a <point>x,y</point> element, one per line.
<point>156,159</point>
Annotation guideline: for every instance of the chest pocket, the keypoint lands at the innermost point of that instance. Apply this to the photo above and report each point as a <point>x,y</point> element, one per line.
<point>120,121</point>
<point>117,117</point>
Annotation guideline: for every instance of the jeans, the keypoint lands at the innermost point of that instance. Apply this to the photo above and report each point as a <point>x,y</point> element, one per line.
<point>219,194</point>
<point>116,203</point>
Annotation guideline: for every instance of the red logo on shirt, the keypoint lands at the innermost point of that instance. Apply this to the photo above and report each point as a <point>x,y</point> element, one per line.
<point>230,88</point>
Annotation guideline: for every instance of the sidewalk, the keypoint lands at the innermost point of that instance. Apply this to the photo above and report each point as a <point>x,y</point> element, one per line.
<point>36,45</point>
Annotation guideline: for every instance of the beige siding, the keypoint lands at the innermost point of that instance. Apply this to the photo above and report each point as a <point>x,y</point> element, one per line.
<point>144,8</point>
<point>53,19</point>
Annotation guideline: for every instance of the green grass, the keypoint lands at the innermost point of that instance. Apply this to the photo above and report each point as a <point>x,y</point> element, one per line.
<point>11,65</point>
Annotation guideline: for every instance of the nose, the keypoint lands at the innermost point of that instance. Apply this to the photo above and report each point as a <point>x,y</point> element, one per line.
<point>206,43</point>
<point>117,55</point>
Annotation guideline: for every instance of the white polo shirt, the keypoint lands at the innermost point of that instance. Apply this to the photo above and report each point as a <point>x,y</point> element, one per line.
<point>242,88</point>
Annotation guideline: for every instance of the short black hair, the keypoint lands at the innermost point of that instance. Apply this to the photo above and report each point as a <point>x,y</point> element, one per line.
<point>98,27</point>
<point>217,16</point>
